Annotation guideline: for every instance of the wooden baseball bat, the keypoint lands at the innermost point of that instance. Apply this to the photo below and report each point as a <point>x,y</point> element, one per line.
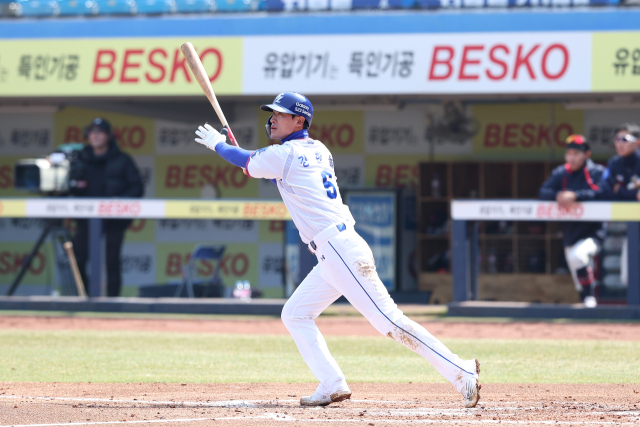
<point>68,247</point>
<point>203,80</point>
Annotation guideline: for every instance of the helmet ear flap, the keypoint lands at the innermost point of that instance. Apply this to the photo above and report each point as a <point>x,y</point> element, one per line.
<point>267,127</point>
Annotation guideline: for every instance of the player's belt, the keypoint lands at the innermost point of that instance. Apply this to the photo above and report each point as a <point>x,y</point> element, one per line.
<point>325,235</point>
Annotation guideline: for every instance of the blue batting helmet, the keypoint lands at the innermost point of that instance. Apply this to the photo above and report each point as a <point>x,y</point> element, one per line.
<point>291,103</point>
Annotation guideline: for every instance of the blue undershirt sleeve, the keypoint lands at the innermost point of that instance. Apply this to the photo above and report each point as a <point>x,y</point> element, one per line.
<point>235,155</point>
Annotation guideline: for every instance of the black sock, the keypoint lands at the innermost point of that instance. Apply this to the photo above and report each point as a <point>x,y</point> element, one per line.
<point>585,292</point>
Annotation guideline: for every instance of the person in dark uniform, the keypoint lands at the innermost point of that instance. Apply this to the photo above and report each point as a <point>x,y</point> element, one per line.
<point>108,172</point>
<point>576,181</point>
<point>621,180</point>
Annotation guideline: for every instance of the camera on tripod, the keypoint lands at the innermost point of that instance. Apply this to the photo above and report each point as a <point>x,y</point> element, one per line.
<point>57,174</point>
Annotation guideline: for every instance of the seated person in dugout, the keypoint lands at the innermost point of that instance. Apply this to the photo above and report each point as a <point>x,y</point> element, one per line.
<point>576,181</point>
<point>621,180</point>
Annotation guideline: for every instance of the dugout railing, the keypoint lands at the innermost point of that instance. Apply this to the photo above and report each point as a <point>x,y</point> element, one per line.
<point>95,210</point>
<point>466,214</point>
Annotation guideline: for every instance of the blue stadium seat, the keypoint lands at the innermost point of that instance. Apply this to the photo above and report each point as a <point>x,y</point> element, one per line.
<point>237,5</point>
<point>77,7</point>
<point>291,5</point>
<point>8,9</point>
<point>279,5</point>
<point>50,8</point>
<point>153,7</point>
<point>195,6</point>
<point>274,5</point>
<point>466,4</point>
<point>116,7</point>
<point>35,8</point>
<point>428,4</point>
<point>378,4</point>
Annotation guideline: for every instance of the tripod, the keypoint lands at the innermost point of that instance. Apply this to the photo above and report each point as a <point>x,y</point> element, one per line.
<point>59,236</point>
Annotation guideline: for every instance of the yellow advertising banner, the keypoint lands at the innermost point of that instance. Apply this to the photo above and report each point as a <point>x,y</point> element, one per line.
<point>526,129</point>
<point>239,262</point>
<point>400,171</point>
<point>197,176</point>
<point>12,256</point>
<point>135,135</point>
<point>141,231</point>
<point>226,210</point>
<point>7,188</point>
<point>625,211</point>
<point>615,62</point>
<point>272,231</point>
<point>13,208</point>
<point>341,131</point>
<point>117,66</point>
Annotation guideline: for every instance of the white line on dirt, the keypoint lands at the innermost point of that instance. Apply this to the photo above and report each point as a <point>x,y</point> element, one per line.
<point>233,403</point>
<point>256,403</point>
<point>230,403</point>
<point>217,403</point>
<point>221,403</point>
<point>286,418</point>
<point>90,423</point>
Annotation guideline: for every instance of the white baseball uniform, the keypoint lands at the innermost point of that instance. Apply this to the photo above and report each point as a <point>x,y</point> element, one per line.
<point>306,179</point>
<point>579,256</point>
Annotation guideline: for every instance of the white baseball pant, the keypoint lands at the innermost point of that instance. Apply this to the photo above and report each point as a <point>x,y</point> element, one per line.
<point>346,267</point>
<point>579,256</point>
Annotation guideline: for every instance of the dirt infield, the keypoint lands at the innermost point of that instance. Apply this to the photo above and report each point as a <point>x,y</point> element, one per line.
<point>351,325</point>
<point>61,404</point>
<point>78,404</point>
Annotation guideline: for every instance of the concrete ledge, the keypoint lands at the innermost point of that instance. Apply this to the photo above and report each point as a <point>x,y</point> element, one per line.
<point>542,311</point>
<point>272,307</point>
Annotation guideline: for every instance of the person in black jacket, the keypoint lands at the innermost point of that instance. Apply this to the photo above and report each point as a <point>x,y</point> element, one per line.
<point>575,181</point>
<point>621,180</point>
<point>108,172</point>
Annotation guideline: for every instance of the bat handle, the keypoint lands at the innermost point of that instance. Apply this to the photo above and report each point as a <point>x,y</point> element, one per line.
<point>226,130</point>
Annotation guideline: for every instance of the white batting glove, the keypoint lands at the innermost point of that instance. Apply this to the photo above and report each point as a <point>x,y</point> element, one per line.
<point>209,137</point>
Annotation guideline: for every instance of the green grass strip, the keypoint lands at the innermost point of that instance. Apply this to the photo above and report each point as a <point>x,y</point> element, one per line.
<point>133,356</point>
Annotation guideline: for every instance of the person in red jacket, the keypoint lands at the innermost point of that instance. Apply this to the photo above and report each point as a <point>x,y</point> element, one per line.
<point>576,181</point>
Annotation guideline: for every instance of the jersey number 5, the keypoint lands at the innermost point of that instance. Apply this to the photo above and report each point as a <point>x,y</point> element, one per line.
<point>331,189</point>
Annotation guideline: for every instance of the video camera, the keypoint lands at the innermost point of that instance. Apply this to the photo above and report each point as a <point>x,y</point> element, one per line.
<point>59,173</point>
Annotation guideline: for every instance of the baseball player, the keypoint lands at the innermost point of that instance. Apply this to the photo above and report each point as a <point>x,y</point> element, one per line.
<point>621,180</point>
<point>575,181</point>
<point>303,170</point>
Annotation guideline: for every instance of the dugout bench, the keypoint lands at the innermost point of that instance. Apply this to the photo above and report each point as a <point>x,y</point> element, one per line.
<point>465,215</point>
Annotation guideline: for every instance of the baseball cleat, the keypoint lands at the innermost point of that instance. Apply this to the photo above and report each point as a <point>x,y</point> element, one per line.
<point>341,395</point>
<point>471,390</point>
<point>316,399</point>
<point>319,399</point>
